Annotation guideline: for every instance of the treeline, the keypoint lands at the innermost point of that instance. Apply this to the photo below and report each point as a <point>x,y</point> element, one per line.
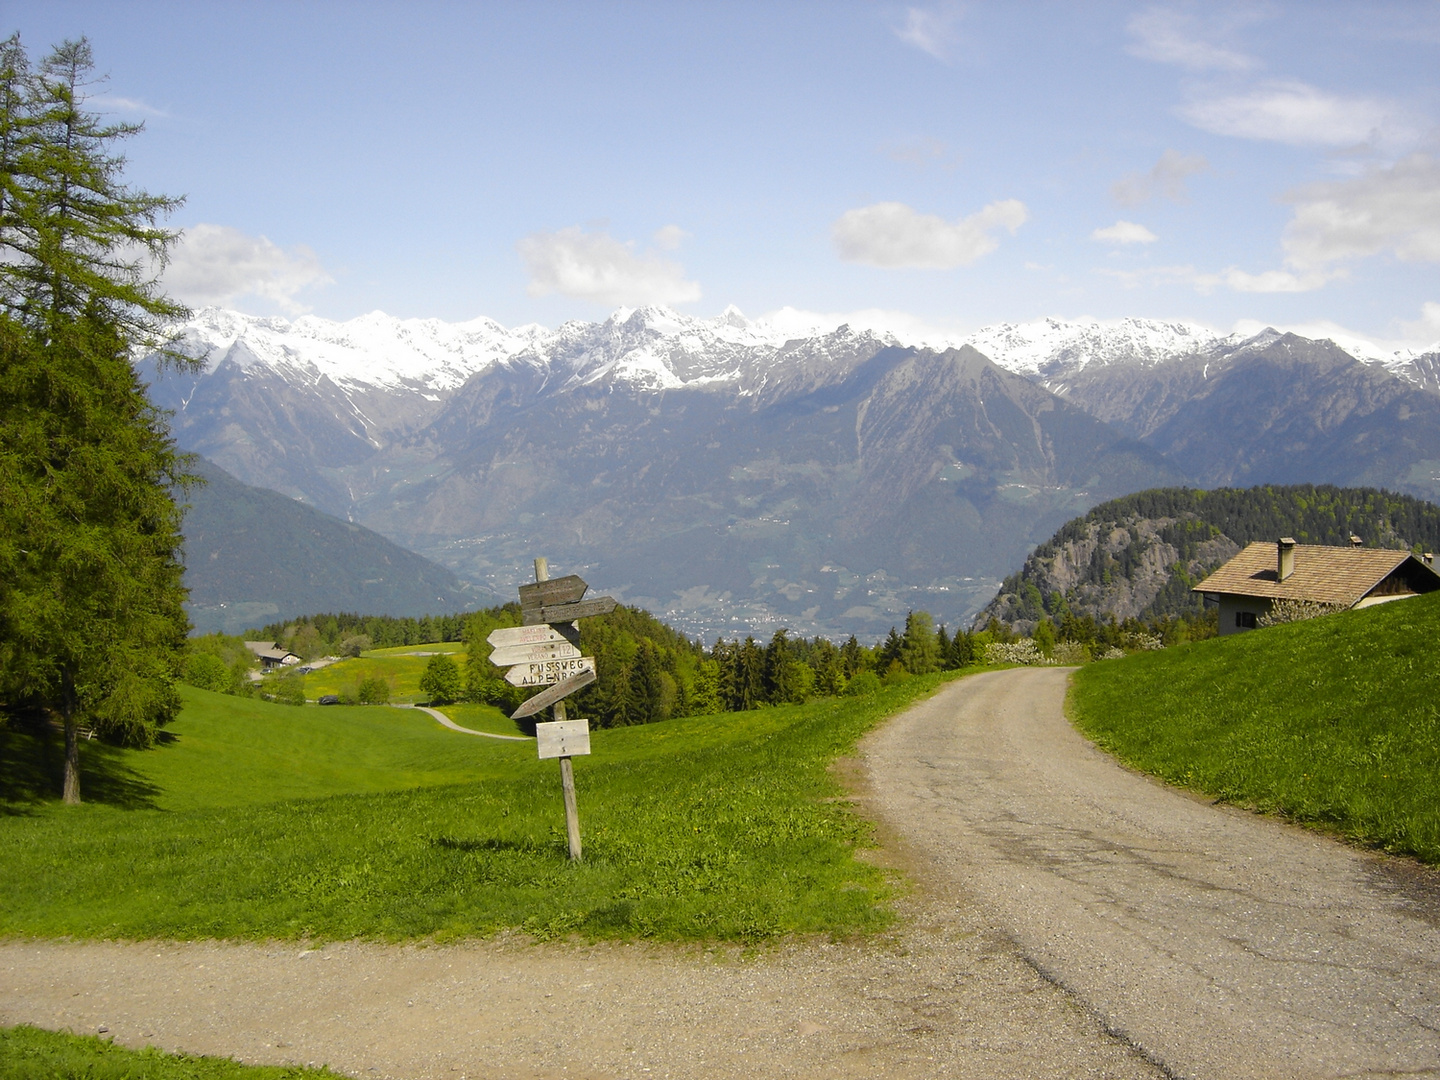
<point>348,634</point>
<point>647,671</point>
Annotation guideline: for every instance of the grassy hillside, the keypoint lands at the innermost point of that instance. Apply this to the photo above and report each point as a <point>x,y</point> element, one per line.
<point>260,820</point>
<point>1139,556</point>
<point>1334,722</point>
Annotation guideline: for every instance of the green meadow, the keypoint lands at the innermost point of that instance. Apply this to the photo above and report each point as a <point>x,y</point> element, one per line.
<point>400,667</point>
<point>260,820</point>
<point>1333,722</point>
<point>28,1053</point>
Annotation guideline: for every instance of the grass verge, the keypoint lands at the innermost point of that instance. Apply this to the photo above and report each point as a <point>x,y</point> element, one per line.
<point>28,1053</point>
<point>715,827</point>
<point>1333,722</point>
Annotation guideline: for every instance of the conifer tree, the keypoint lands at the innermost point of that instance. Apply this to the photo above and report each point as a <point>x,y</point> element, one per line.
<point>91,624</point>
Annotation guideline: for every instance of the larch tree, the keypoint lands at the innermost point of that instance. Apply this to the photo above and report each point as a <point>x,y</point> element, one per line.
<point>92,627</point>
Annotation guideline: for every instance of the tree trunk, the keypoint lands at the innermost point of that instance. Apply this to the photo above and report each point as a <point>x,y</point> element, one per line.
<point>68,708</point>
<point>72,760</point>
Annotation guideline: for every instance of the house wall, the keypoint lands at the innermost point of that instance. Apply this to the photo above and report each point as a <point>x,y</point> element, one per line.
<point>1231,606</point>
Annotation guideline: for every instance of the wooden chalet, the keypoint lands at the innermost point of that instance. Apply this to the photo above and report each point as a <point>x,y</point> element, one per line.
<point>271,655</point>
<point>1350,577</point>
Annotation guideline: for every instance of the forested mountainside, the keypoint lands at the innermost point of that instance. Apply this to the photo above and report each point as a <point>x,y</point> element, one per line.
<point>1138,556</point>
<point>253,556</point>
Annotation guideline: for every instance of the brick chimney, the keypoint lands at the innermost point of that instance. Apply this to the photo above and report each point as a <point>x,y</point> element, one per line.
<point>1285,550</point>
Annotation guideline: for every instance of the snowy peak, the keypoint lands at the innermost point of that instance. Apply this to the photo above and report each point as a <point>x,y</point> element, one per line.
<point>654,349</point>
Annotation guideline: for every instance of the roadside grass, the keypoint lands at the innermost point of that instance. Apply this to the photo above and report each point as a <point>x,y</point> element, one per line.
<point>28,1053</point>
<point>718,827</point>
<point>400,668</point>
<point>1333,722</point>
<point>480,718</point>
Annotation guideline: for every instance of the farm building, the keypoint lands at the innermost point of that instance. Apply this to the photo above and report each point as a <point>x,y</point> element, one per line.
<point>271,655</point>
<point>1247,586</point>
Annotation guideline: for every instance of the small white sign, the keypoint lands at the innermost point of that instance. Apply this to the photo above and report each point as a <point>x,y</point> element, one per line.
<point>529,654</point>
<point>523,635</point>
<point>548,672</point>
<point>563,738</point>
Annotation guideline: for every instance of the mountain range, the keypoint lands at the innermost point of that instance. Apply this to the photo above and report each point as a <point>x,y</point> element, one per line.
<point>736,476</point>
<point>254,556</point>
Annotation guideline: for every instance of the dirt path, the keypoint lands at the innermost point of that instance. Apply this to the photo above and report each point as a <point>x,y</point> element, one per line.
<point>1220,943</point>
<point>440,716</point>
<point>1073,921</point>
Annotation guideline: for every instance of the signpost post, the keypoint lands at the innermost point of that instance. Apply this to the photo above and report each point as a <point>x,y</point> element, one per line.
<point>545,651</point>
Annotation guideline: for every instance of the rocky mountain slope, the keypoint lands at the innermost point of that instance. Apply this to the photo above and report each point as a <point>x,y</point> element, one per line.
<point>1140,555</point>
<point>253,556</point>
<point>732,474</point>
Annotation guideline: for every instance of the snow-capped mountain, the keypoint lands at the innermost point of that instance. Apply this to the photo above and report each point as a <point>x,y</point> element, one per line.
<point>656,348</point>
<point>738,474</point>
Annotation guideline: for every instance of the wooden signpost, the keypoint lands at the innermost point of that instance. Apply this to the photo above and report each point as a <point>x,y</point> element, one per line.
<point>545,651</point>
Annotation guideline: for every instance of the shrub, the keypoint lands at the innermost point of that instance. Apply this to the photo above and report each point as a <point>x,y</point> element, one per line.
<point>354,646</point>
<point>864,682</point>
<point>374,691</point>
<point>286,689</point>
<point>207,671</point>
<point>441,681</point>
<point>1015,652</point>
<point>1288,611</point>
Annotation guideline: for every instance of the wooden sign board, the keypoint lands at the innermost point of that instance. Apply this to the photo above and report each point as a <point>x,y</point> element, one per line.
<point>549,672</point>
<point>561,590</point>
<point>508,636</point>
<point>563,738</point>
<point>564,613</point>
<point>546,698</point>
<point>531,654</point>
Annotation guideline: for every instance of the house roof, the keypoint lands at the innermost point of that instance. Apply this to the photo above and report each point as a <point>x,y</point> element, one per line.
<point>1327,575</point>
<point>268,650</point>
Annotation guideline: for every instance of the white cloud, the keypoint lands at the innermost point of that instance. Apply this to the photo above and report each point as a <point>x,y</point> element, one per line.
<point>595,266</point>
<point>931,30</point>
<point>1298,114</point>
<point>1166,178</point>
<point>217,265</point>
<point>1425,331</point>
<point>1125,232</point>
<point>891,234</point>
<point>1394,209</point>
<point>670,237</point>
<point>1271,281</point>
<point>125,105</point>
<point>1173,37</point>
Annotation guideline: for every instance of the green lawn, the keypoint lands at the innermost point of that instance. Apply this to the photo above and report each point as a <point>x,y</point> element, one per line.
<point>481,718</point>
<point>27,1053</point>
<point>1333,722</point>
<point>264,820</point>
<point>401,668</point>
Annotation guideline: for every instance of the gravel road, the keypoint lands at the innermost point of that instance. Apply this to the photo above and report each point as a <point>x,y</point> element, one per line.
<point>1071,920</point>
<point>1219,943</point>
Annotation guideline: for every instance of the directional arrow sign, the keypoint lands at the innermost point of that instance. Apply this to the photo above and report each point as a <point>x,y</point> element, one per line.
<point>546,698</point>
<point>531,654</point>
<point>532,635</point>
<point>560,590</point>
<point>548,672</point>
<point>564,613</point>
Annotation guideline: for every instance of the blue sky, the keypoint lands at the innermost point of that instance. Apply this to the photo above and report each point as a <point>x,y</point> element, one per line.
<point>954,164</point>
